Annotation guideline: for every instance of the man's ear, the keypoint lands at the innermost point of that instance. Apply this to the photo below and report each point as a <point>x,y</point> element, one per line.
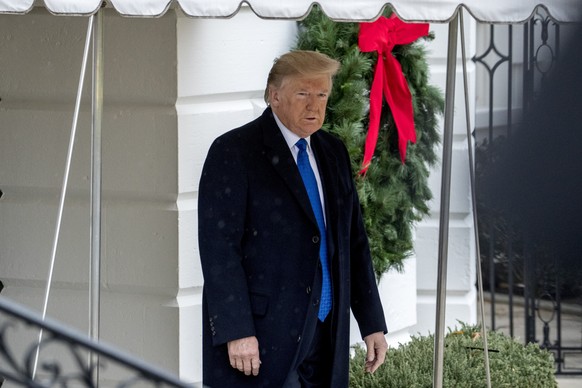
<point>273,96</point>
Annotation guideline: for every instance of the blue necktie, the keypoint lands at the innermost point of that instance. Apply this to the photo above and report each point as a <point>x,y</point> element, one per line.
<point>313,193</point>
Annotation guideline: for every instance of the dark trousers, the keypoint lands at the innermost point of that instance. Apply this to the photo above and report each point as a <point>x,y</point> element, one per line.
<point>315,369</point>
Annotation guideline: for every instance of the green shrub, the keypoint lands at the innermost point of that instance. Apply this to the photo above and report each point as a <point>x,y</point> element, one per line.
<point>512,364</point>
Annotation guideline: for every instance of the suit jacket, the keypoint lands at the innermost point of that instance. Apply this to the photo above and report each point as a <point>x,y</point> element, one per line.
<point>259,249</point>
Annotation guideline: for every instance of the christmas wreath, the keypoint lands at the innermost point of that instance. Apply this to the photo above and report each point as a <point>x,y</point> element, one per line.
<point>393,187</point>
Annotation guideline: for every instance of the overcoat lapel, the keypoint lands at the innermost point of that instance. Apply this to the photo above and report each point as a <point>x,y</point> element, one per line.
<point>328,171</point>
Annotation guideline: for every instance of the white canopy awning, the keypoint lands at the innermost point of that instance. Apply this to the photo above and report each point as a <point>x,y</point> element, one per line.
<point>498,11</point>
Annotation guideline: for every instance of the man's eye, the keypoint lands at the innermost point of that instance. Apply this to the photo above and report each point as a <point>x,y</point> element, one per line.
<point>322,95</point>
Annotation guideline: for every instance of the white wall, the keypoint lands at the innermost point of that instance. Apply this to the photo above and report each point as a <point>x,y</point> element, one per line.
<point>40,66</point>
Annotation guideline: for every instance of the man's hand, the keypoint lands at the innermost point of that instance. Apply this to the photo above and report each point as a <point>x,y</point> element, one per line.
<point>376,351</point>
<point>244,355</point>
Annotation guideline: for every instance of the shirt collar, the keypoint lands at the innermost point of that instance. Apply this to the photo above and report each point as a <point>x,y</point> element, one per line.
<point>290,137</point>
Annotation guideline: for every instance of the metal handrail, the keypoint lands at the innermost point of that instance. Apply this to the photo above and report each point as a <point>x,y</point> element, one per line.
<point>20,371</point>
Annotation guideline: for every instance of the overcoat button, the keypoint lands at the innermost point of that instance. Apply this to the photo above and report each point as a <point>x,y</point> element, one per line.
<point>299,339</point>
<point>316,302</point>
<point>308,290</point>
<point>315,239</point>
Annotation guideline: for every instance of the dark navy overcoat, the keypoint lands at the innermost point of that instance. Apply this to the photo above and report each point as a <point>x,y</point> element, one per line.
<point>259,245</point>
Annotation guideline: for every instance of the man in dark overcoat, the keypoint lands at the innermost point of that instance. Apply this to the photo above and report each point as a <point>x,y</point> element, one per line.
<point>283,248</point>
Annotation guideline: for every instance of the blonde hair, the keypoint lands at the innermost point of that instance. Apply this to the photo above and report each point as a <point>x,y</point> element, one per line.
<point>300,63</point>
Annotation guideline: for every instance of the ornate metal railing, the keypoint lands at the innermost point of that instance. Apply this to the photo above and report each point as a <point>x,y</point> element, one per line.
<point>511,262</point>
<point>65,356</point>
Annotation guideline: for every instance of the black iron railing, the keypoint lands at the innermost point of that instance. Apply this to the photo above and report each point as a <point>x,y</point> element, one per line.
<point>512,263</point>
<point>65,356</point>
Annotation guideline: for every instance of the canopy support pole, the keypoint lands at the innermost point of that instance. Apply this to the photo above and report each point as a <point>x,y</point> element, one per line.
<point>64,187</point>
<point>95,215</point>
<point>474,208</point>
<point>439,342</point>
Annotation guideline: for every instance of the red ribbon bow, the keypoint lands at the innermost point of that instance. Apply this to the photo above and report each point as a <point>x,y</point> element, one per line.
<point>381,36</point>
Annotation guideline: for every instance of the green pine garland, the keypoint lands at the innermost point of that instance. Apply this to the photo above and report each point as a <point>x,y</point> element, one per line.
<point>394,196</point>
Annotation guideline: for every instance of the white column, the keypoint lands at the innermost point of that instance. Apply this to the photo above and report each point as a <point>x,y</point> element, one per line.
<point>221,75</point>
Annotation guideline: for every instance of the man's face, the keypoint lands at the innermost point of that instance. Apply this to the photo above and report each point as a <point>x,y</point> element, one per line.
<point>300,103</point>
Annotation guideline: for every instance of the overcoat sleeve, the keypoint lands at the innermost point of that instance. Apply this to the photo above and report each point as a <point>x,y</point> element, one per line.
<point>365,299</point>
<point>221,213</point>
